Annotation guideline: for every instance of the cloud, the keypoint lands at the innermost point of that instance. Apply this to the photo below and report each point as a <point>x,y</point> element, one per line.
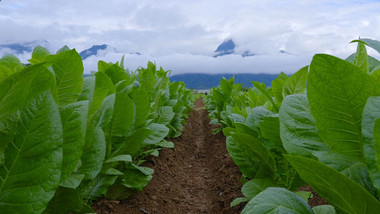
<point>182,35</point>
<point>189,63</point>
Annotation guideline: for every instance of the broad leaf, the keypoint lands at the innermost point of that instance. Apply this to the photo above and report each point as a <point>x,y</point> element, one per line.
<point>270,129</point>
<point>9,65</point>
<point>376,135</point>
<point>158,133</point>
<point>255,186</point>
<point>337,92</point>
<point>372,43</point>
<point>103,88</point>
<point>296,84</point>
<point>361,57</point>
<point>262,88</point>
<point>297,127</point>
<point>336,188</point>
<point>278,86</point>
<point>262,155</point>
<point>324,209</point>
<point>370,114</point>
<point>39,55</point>
<point>68,69</point>
<point>88,89</point>
<point>95,146</point>
<point>64,200</point>
<point>19,88</point>
<point>242,158</point>
<point>123,116</point>
<point>33,162</point>
<point>137,177</point>
<point>98,187</point>
<point>277,200</point>
<point>74,122</point>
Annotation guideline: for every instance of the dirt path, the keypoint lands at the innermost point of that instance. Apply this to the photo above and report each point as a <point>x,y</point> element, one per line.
<point>197,176</point>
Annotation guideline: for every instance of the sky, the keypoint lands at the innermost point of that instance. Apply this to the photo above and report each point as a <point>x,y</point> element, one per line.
<point>182,35</point>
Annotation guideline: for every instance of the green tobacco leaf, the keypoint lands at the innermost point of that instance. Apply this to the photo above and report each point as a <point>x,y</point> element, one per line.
<point>372,43</point>
<point>278,86</point>
<point>137,177</point>
<point>124,158</point>
<point>237,201</point>
<point>88,89</point>
<point>73,181</point>
<point>241,157</point>
<point>133,142</point>
<point>102,66</point>
<point>324,209</point>
<point>119,192</point>
<point>9,65</point>
<point>262,88</point>
<point>255,186</point>
<point>371,113</point>
<point>270,129</point>
<point>337,92</point>
<point>141,99</point>
<point>68,69</point>
<point>118,75</point>
<point>74,122</point>
<point>103,88</point>
<point>305,195</point>
<point>166,144</point>
<point>123,116</point>
<point>17,90</point>
<point>147,79</point>
<point>39,55</point>
<point>98,187</point>
<point>256,116</point>
<point>261,154</point>
<point>158,133</point>
<point>376,135</point>
<point>297,127</point>
<point>226,86</point>
<point>336,188</point>
<point>296,84</point>
<point>373,63</point>
<point>95,146</point>
<point>64,200</point>
<point>361,56</point>
<point>277,200</point>
<point>33,162</point>
<point>63,49</point>
<point>165,115</point>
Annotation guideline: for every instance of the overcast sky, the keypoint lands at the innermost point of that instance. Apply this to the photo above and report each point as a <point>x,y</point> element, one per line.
<point>182,35</point>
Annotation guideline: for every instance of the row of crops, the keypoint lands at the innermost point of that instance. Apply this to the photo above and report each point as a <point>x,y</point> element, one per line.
<point>66,140</point>
<point>319,126</point>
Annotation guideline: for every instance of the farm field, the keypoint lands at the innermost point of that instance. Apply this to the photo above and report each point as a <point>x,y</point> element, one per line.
<point>133,142</point>
<point>197,176</point>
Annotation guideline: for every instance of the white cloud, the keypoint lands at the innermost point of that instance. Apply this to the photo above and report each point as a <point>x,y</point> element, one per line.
<point>181,35</point>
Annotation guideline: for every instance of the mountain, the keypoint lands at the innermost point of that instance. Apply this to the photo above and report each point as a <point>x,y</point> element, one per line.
<point>207,81</point>
<point>20,48</point>
<point>228,47</point>
<point>92,51</point>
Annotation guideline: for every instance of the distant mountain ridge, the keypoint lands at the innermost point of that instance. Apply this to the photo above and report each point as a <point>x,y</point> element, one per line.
<point>20,48</point>
<point>228,47</point>
<point>92,51</point>
<point>206,81</point>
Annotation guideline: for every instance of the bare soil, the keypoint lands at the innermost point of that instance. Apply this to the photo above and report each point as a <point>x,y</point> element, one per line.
<point>198,176</point>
